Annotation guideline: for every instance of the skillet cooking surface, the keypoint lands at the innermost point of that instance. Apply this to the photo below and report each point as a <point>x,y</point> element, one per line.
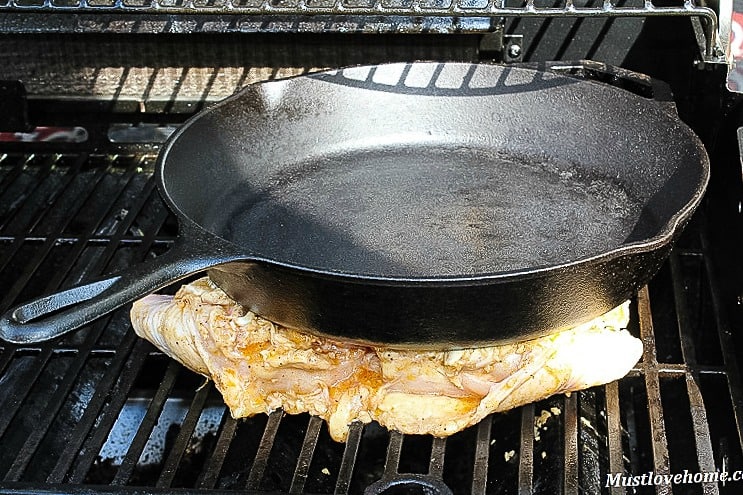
<point>478,171</point>
<point>418,210</point>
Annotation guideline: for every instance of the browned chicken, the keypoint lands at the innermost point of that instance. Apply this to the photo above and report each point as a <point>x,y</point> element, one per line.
<point>259,366</point>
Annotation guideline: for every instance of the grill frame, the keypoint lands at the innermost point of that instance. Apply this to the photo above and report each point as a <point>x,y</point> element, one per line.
<point>119,220</point>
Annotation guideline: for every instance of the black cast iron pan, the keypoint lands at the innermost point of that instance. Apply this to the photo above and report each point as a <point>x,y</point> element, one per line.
<point>423,205</point>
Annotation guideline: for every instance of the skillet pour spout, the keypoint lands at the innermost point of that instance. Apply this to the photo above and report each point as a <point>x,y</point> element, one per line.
<point>420,205</point>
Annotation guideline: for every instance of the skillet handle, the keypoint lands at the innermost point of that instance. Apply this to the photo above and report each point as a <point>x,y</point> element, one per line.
<point>45,318</point>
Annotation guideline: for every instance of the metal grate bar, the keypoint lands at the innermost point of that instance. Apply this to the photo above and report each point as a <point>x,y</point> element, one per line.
<point>45,353</point>
<point>30,191</point>
<point>394,449</point>
<point>56,280</point>
<point>482,457</point>
<point>702,435</point>
<point>145,427</point>
<point>90,415</point>
<point>56,196</point>
<point>213,466</point>
<point>6,357</point>
<point>93,239</point>
<point>19,394</point>
<point>91,447</point>
<point>184,435</point>
<point>39,206</point>
<point>652,385</point>
<point>13,174</point>
<point>305,455</point>
<point>591,440</point>
<point>614,432</point>
<point>143,196</point>
<point>727,344</point>
<point>682,315</point>
<point>570,457</point>
<point>33,264</point>
<point>142,199</point>
<point>436,464</point>
<point>632,440</point>
<point>264,450</point>
<point>526,454</point>
<point>43,421</point>
<point>345,472</point>
<point>19,240</point>
<point>66,489</point>
<point>674,370</point>
<point>107,255</point>
<point>106,421</point>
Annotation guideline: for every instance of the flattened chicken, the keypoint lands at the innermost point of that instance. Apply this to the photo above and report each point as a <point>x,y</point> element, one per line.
<point>259,366</point>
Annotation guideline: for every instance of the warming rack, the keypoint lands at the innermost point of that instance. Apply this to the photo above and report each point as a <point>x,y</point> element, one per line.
<point>403,16</point>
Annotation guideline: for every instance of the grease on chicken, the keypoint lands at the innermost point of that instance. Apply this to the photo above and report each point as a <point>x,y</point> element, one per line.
<point>259,366</point>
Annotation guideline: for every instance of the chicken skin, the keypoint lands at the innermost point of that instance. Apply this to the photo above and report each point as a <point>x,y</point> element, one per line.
<point>259,366</point>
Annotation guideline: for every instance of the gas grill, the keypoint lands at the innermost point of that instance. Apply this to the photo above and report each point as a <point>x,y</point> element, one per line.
<point>89,91</point>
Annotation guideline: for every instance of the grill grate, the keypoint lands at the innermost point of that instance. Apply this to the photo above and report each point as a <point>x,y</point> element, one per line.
<point>101,408</point>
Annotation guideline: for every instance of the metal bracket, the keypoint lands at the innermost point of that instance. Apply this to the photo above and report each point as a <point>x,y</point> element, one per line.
<point>506,48</point>
<point>513,47</point>
<point>491,44</point>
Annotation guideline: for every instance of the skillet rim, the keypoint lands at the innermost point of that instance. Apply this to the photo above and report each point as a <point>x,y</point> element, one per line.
<point>666,234</point>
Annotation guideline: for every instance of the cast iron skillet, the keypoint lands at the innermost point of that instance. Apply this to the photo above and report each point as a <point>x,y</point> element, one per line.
<point>422,205</point>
